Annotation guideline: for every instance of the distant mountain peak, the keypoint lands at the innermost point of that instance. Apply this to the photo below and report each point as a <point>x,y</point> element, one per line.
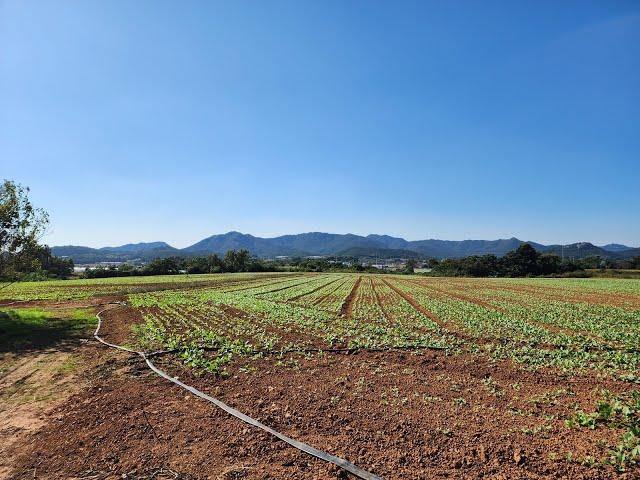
<point>389,242</point>
<point>329,244</point>
<point>615,247</point>
<point>137,247</point>
<point>143,245</point>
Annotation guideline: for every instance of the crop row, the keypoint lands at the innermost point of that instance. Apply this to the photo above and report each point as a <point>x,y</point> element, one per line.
<point>543,333</point>
<point>60,290</point>
<point>568,324</point>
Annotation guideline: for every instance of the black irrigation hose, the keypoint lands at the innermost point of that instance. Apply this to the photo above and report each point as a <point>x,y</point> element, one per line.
<point>340,462</point>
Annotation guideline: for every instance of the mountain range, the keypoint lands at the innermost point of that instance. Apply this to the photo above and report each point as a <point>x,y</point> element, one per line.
<point>331,244</point>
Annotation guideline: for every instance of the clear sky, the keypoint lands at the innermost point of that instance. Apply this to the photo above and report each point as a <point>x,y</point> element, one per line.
<point>156,120</point>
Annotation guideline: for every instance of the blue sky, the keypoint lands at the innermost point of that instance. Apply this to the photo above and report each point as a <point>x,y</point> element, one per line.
<point>142,121</point>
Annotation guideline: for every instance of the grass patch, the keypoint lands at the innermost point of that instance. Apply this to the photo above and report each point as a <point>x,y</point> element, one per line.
<point>33,328</point>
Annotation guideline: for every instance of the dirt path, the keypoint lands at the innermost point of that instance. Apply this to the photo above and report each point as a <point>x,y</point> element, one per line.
<point>32,386</point>
<point>347,306</point>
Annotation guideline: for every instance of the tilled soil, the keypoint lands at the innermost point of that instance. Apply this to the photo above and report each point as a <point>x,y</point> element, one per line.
<point>35,384</point>
<point>399,415</point>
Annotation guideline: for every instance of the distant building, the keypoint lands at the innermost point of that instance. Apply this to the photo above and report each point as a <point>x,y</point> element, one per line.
<point>422,270</point>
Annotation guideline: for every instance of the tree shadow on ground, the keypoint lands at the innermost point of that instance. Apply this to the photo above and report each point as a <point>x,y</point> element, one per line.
<point>33,330</point>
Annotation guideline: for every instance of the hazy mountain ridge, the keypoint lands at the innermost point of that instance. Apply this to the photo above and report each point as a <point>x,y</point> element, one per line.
<point>123,253</point>
<point>138,247</point>
<point>586,249</point>
<point>378,253</point>
<point>319,243</point>
<point>615,247</point>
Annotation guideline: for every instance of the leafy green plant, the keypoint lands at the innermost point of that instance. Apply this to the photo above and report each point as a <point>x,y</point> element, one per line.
<point>621,412</point>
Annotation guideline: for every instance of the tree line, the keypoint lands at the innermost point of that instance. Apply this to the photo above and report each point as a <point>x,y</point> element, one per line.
<point>525,261</point>
<point>233,261</point>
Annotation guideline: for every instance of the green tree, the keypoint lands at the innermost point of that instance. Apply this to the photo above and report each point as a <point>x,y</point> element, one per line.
<point>522,261</point>
<point>214,264</point>
<point>549,263</point>
<point>410,266</point>
<point>21,227</point>
<point>163,266</point>
<point>237,261</point>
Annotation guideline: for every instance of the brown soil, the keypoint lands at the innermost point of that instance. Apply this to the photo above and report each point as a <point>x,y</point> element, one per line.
<point>37,374</point>
<point>52,306</point>
<point>347,306</point>
<point>424,415</point>
<point>399,415</point>
<point>36,383</point>
<point>119,321</point>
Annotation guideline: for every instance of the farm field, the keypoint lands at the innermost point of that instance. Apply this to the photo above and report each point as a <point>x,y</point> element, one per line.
<point>405,376</point>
